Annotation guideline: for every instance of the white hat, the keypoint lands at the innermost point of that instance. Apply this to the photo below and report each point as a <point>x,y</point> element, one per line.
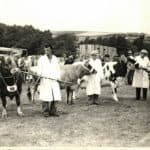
<point>144,51</point>
<point>130,52</point>
<point>94,52</point>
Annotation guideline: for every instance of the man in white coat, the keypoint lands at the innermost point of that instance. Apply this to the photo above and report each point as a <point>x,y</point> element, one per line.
<point>49,89</point>
<point>140,77</point>
<point>93,88</point>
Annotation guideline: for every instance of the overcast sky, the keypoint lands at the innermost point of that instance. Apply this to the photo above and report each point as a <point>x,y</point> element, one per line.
<point>87,15</point>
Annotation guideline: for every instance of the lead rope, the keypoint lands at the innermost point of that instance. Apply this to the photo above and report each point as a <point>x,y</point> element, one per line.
<point>46,77</point>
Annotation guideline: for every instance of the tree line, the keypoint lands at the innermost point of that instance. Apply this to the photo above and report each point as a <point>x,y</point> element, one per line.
<point>27,37</point>
<point>120,42</point>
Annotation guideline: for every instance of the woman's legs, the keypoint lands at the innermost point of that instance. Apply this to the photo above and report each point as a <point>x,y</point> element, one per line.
<point>95,99</point>
<point>53,109</point>
<point>45,109</point>
<point>90,99</point>
<point>144,93</point>
<point>138,93</point>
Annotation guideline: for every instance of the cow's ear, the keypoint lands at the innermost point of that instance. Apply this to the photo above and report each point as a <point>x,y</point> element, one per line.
<point>87,61</point>
<point>131,59</point>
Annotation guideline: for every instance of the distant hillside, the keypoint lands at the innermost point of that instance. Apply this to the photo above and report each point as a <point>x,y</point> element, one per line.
<point>57,33</point>
<point>81,35</point>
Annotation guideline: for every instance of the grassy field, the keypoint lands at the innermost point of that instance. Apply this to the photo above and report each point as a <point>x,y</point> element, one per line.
<point>126,123</point>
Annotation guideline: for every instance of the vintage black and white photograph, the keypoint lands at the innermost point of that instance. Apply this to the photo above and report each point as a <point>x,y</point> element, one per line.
<point>74,74</point>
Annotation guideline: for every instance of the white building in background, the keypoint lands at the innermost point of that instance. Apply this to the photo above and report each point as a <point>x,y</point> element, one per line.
<point>12,51</point>
<point>85,49</point>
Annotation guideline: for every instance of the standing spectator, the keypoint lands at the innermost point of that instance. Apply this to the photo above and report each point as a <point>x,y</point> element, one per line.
<point>130,72</point>
<point>21,63</point>
<point>82,58</point>
<point>49,89</point>
<point>107,58</point>
<point>140,78</point>
<point>69,60</point>
<point>93,88</point>
<point>64,58</point>
<point>2,61</point>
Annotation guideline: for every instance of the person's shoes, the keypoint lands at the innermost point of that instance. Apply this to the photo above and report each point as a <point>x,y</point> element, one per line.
<point>93,103</point>
<point>45,114</point>
<point>137,99</point>
<point>90,102</point>
<point>54,114</point>
<point>96,103</point>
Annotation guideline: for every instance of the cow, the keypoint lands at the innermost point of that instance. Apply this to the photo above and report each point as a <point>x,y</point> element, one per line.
<point>70,74</point>
<point>70,60</point>
<point>10,84</point>
<point>113,73</point>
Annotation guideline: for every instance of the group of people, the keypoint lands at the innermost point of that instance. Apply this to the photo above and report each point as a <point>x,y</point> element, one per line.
<point>140,75</point>
<point>49,89</point>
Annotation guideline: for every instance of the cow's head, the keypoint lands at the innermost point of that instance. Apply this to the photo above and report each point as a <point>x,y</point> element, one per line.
<point>131,62</point>
<point>121,66</point>
<point>87,69</point>
<point>10,64</point>
<point>8,71</point>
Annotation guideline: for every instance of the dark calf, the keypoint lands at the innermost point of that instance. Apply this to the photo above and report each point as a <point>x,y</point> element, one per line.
<point>10,86</point>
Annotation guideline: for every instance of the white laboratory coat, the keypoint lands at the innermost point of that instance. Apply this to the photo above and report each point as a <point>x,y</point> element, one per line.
<point>49,89</point>
<point>140,77</point>
<point>93,81</point>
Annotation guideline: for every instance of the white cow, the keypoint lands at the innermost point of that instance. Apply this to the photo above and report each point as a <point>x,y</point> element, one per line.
<point>114,74</point>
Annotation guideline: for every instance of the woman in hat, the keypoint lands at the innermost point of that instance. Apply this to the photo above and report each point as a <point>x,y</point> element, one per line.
<point>93,88</point>
<point>140,78</point>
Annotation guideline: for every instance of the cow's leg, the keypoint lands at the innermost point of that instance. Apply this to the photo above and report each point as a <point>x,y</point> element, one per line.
<point>114,91</point>
<point>35,90</point>
<point>68,93</point>
<point>29,95</point>
<point>4,111</point>
<point>71,96</point>
<point>19,112</point>
<point>33,95</point>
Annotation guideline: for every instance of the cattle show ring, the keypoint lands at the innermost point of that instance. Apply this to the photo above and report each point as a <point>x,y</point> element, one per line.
<point>120,121</point>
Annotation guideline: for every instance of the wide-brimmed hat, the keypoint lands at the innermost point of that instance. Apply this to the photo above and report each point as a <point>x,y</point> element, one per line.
<point>144,51</point>
<point>94,52</point>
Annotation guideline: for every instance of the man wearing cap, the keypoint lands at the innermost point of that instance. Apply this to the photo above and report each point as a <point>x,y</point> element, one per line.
<point>140,78</point>
<point>93,88</point>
